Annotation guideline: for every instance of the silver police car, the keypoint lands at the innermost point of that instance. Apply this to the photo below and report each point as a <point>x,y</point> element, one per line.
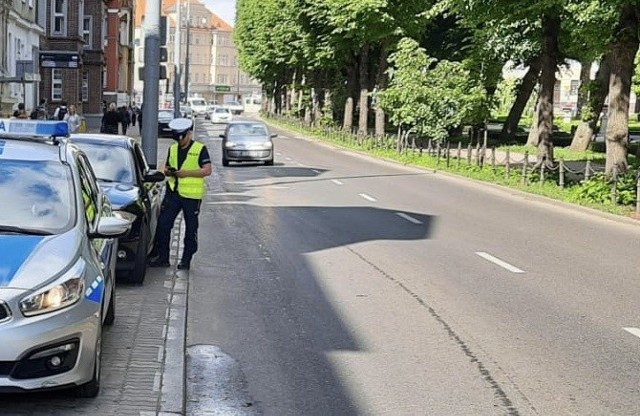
<point>58,239</point>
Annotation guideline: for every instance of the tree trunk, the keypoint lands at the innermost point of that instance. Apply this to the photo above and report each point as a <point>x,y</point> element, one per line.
<point>364,92</point>
<point>533,138</point>
<point>347,123</point>
<point>624,51</point>
<point>550,31</point>
<point>327,108</point>
<point>381,85</point>
<point>596,98</point>
<point>525,89</point>
<point>585,74</point>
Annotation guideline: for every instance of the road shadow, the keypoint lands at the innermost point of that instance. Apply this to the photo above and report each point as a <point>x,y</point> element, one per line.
<point>272,313</point>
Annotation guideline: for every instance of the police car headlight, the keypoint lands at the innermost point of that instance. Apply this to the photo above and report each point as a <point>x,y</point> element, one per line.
<point>54,298</point>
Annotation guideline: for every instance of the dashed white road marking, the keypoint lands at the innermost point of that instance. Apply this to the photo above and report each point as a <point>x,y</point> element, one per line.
<point>408,218</point>
<point>278,154</point>
<point>288,158</point>
<point>633,331</point>
<point>337,182</point>
<point>368,197</point>
<point>499,262</point>
<point>315,171</point>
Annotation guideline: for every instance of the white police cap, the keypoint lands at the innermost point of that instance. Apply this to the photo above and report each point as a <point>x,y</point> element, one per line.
<point>180,125</point>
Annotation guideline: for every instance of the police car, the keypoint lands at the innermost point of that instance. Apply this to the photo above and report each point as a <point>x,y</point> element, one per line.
<point>58,243</point>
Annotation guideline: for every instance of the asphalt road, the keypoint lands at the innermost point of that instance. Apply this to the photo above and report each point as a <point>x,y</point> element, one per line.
<point>336,284</point>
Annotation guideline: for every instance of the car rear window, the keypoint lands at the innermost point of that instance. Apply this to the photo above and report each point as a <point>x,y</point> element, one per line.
<point>41,195</point>
<point>248,130</point>
<point>110,163</point>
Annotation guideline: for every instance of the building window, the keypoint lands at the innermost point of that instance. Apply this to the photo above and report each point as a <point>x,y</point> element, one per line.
<point>85,87</point>
<point>87,25</point>
<point>104,77</point>
<point>56,84</point>
<point>223,60</point>
<point>59,18</point>
<point>575,85</point>
<point>31,4</point>
<point>222,79</point>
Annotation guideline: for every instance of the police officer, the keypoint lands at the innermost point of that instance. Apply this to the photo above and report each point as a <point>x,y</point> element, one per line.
<point>187,165</point>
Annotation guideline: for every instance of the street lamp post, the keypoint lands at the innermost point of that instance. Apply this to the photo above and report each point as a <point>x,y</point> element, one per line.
<point>186,60</point>
<point>176,59</point>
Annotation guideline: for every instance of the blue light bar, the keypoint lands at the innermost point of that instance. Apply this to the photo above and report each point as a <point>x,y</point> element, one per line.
<point>34,127</point>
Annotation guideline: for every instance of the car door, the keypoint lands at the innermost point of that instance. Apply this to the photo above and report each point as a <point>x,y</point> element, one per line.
<point>95,208</point>
<point>150,192</point>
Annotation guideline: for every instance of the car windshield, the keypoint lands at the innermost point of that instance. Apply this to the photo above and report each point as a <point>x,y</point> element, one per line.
<point>222,110</point>
<point>41,195</point>
<point>247,129</point>
<point>198,102</point>
<point>110,163</point>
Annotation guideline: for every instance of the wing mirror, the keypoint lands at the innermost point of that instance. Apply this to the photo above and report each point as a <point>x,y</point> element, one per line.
<point>222,136</point>
<point>153,176</point>
<point>112,227</point>
<point>273,135</point>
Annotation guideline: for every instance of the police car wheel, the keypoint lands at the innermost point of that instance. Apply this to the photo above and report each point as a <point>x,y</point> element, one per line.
<point>92,388</point>
<point>110,317</point>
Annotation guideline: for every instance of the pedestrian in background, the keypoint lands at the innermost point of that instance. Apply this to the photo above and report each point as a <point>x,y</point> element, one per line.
<point>110,120</point>
<point>20,112</point>
<point>188,164</point>
<point>124,119</point>
<point>73,119</point>
<point>60,111</point>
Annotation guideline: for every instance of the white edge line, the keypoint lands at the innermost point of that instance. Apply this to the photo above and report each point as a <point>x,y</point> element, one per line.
<point>408,218</point>
<point>633,331</point>
<point>337,182</point>
<point>368,197</point>
<point>499,262</point>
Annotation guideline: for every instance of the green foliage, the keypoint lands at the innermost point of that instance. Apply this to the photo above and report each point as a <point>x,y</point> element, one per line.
<point>427,97</point>
<point>598,189</point>
<point>505,96</point>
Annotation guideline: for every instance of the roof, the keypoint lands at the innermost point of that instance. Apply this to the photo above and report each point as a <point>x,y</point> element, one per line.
<point>168,7</point>
<point>17,149</point>
<point>102,139</point>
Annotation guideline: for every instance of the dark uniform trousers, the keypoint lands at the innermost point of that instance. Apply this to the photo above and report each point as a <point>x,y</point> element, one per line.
<point>171,207</point>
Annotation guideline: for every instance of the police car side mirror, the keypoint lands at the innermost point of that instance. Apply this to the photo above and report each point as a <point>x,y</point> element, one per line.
<point>153,176</point>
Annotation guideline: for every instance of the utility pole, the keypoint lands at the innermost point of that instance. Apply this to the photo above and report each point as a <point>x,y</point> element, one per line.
<point>151,81</point>
<point>176,61</point>
<point>186,59</point>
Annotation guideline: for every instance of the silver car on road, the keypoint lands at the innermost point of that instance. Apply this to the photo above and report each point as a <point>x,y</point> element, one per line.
<point>57,236</point>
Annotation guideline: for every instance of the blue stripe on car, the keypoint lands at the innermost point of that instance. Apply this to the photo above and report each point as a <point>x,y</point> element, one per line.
<point>15,250</point>
<point>94,291</point>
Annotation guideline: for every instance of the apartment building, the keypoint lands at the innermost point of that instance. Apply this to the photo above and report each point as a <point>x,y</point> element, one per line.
<point>213,71</point>
<point>119,52</point>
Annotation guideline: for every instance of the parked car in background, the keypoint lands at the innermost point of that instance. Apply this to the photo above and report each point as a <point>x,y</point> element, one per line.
<point>58,239</point>
<point>247,141</point>
<point>132,187</point>
<point>186,111</point>
<point>220,115</point>
<point>235,107</point>
<point>165,115</point>
<point>198,105</point>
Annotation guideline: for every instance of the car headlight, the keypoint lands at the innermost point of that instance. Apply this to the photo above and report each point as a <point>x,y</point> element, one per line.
<point>54,298</point>
<point>268,144</point>
<point>230,144</point>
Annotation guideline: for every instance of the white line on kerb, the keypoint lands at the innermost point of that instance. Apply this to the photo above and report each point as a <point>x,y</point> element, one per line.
<point>337,182</point>
<point>499,262</point>
<point>408,218</point>
<point>633,331</point>
<point>368,197</point>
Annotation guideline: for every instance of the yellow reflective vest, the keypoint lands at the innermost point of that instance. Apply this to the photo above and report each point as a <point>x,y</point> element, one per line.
<point>189,187</point>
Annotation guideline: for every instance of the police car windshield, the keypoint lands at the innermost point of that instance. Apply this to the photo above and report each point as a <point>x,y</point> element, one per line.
<point>110,163</point>
<point>40,195</point>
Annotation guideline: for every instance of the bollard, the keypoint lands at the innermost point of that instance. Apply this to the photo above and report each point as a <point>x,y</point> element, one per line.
<point>542,169</point>
<point>448,154</point>
<point>469,152</point>
<point>525,166</point>
<point>614,185</point>
<point>587,170</point>
<point>478,154</point>
<point>507,167</point>
<point>429,147</point>
<point>493,159</point>
<point>638,193</point>
<point>561,168</point>
<point>438,153</point>
<point>459,154</point>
